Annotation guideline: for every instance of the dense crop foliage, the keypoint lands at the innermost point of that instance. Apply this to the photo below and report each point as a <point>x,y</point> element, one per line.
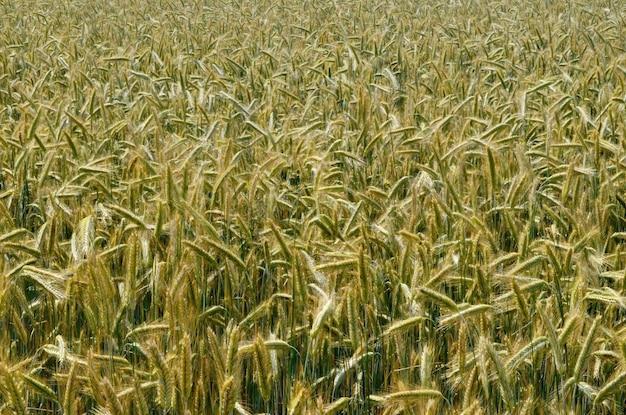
<point>312,207</point>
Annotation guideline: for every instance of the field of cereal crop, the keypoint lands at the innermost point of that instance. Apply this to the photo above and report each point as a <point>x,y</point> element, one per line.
<point>312,207</point>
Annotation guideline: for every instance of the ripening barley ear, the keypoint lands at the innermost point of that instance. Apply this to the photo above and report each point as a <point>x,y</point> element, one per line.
<point>113,403</point>
<point>140,403</point>
<point>323,314</point>
<point>354,320</point>
<point>165,377</point>
<point>501,372</point>
<point>97,392</point>
<point>348,367</point>
<point>583,355</point>
<point>336,406</point>
<point>521,301</point>
<point>406,399</point>
<point>232,336</point>
<point>298,401</point>
<point>426,366</point>
<point>12,391</point>
<point>462,348</point>
<point>83,238</point>
<point>469,398</point>
<point>185,372</point>
<point>483,372</point>
<point>39,388</point>
<point>263,372</point>
<point>401,326</point>
<point>612,387</point>
<point>227,399</point>
<point>552,338</point>
<point>71,385</point>
<point>532,348</point>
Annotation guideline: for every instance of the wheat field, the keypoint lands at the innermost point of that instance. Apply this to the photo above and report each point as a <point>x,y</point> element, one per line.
<point>312,207</point>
